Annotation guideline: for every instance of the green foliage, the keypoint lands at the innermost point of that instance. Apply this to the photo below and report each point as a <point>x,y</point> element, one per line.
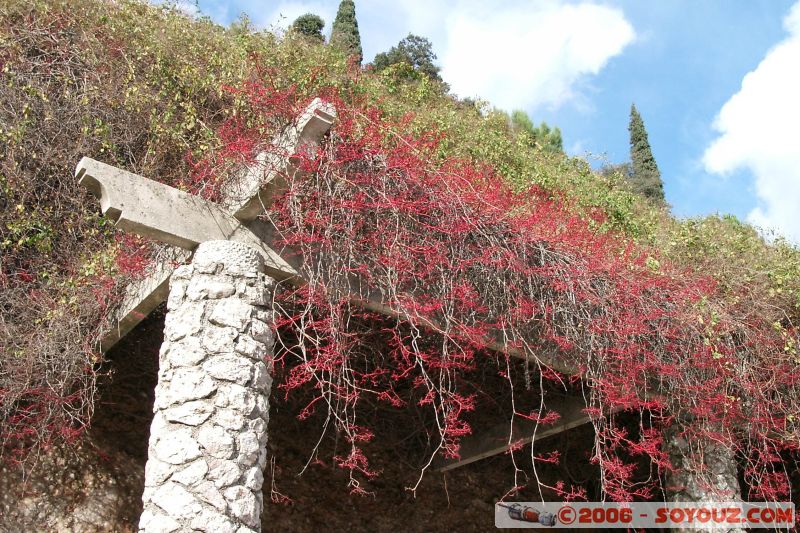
<point>738,258</point>
<point>621,170</point>
<point>344,32</point>
<point>169,91</point>
<point>541,137</point>
<point>132,84</point>
<point>311,26</point>
<point>646,178</point>
<point>145,89</point>
<point>414,51</point>
<point>521,122</point>
<point>549,139</point>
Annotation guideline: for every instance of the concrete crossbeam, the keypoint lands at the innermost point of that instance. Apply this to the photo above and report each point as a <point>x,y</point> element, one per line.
<point>141,298</point>
<point>501,438</point>
<point>156,211</point>
<point>250,193</point>
<point>244,198</point>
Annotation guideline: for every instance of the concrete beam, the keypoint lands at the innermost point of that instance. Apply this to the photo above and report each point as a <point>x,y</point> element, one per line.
<point>157,211</point>
<point>244,197</point>
<point>499,439</point>
<point>374,303</point>
<point>248,194</point>
<point>141,298</point>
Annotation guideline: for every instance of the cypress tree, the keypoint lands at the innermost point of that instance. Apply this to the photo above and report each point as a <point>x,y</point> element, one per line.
<point>344,32</point>
<point>646,178</point>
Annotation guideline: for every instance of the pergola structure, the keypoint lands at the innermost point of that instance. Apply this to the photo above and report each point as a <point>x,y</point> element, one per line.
<point>208,437</point>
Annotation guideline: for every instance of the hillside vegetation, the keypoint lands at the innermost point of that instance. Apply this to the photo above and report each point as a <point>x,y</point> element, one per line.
<point>181,100</point>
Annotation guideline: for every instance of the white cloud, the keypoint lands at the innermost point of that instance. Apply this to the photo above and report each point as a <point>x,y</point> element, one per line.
<point>758,129</point>
<point>529,54</point>
<point>516,53</point>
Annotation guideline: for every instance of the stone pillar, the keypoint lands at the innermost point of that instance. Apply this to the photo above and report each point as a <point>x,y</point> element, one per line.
<point>719,483</point>
<point>208,438</point>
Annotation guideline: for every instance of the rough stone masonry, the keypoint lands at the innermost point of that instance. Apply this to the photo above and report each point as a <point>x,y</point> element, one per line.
<point>207,447</point>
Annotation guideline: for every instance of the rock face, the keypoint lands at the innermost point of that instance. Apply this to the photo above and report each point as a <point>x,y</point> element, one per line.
<point>71,489</point>
<point>208,437</point>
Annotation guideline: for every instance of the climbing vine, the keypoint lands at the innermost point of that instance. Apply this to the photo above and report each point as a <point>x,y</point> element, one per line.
<point>471,268</point>
<point>411,210</point>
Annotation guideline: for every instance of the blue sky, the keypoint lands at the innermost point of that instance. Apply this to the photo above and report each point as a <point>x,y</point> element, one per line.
<point>717,83</point>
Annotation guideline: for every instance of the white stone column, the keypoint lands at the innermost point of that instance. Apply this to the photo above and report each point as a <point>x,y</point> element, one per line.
<point>208,438</point>
<point>719,482</point>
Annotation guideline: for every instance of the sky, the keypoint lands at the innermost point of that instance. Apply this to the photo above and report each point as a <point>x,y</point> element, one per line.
<point>716,82</point>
